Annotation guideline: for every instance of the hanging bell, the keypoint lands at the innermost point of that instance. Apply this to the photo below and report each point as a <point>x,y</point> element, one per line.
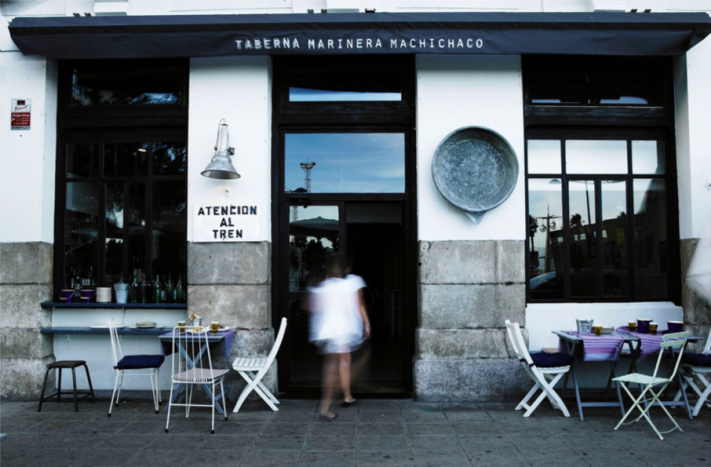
<point>220,166</point>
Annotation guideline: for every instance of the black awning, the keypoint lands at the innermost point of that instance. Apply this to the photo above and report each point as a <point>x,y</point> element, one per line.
<point>360,33</point>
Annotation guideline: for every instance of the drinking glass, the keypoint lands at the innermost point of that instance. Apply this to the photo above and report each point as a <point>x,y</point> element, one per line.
<point>597,329</point>
<point>215,326</point>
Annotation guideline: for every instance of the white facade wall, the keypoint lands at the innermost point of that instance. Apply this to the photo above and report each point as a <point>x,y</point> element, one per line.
<point>456,91</point>
<point>237,89</point>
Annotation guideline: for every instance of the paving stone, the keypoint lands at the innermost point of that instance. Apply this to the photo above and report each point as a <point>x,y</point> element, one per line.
<point>422,458</point>
<point>208,458</point>
<point>418,429</point>
<point>379,417</point>
<point>330,443</point>
<point>328,459</point>
<point>184,443</point>
<point>232,428</point>
<point>386,458</point>
<point>228,442</point>
<point>477,428</point>
<point>48,457</point>
<point>279,443</point>
<point>332,429</point>
<point>382,443</point>
<point>285,429</point>
<point>424,416</point>
<point>275,458</point>
<point>435,444</point>
<point>344,416</point>
<point>55,427</point>
<point>109,458</point>
<point>379,406</point>
<point>381,429</point>
<point>152,458</point>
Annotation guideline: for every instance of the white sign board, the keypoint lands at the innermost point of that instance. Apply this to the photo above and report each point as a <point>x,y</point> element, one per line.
<point>239,222</point>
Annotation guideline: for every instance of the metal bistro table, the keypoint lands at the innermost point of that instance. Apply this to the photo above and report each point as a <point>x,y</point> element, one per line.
<point>211,339</point>
<point>635,346</point>
<point>571,342</point>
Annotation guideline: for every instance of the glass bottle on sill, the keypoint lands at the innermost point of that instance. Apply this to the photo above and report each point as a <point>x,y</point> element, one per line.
<point>134,289</point>
<point>157,289</point>
<point>169,290</point>
<point>179,292</point>
<point>143,289</point>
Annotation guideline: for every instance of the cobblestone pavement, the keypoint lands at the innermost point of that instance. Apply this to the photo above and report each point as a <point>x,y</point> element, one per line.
<point>371,433</point>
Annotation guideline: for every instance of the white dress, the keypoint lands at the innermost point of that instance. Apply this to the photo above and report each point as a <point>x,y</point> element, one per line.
<point>336,324</point>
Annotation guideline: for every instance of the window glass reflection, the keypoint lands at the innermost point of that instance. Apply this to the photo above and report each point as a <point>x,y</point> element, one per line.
<point>136,218</point>
<point>82,160</point>
<point>344,86</point>
<point>81,230</point>
<point>583,254</point>
<point>544,156</point>
<point>614,238</point>
<point>545,233</point>
<point>169,228</point>
<point>596,157</point>
<point>114,232</point>
<point>650,237</point>
<point>169,158</point>
<point>648,157</point>
<point>313,235</point>
<point>126,159</point>
<point>346,162</point>
<point>146,86</point>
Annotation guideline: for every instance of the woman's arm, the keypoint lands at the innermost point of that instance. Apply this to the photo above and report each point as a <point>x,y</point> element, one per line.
<point>363,314</point>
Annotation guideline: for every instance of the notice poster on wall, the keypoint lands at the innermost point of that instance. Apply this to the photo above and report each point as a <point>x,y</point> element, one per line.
<point>238,222</point>
<point>20,114</point>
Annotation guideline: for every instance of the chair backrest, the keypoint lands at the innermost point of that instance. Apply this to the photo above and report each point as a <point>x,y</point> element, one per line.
<point>671,341</point>
<point>277,343</point>
<point>191,350</point>
<point>115,344</point>
<point>519,345</point>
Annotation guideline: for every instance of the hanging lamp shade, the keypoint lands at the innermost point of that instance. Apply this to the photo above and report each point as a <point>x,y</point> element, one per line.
<point>220,166</point>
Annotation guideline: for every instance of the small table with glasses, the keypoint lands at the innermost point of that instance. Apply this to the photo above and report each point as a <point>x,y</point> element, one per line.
<point>221,337</point>
<point>635,346</point>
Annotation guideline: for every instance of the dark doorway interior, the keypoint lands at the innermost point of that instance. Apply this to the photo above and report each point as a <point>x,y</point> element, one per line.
<point>373,242</point>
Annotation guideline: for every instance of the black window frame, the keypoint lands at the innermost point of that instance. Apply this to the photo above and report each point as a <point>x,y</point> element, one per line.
<point>110,124</point>
<point>628,123</point>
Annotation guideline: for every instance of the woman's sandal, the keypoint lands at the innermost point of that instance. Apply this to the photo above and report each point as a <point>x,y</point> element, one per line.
<point>326,418</point>
<point>348,404</point>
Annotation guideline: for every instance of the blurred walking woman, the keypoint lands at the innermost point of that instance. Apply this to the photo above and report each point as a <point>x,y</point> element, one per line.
<point>339,325</point>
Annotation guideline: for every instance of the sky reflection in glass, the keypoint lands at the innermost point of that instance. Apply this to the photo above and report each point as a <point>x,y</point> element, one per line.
<point>346,162</point>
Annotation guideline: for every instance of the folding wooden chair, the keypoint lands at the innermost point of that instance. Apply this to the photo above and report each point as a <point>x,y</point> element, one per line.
<point>697,365</point>
<point>540,367</point>
<point>247,366</point>
<point>671,341</point>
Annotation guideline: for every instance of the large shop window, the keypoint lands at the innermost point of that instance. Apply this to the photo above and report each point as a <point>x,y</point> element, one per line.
<point>601,203</point>
<point>122,182</point>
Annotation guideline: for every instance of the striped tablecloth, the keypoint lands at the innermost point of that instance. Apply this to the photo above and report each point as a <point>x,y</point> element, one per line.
<point>605,348</point>
<point>650,342</point>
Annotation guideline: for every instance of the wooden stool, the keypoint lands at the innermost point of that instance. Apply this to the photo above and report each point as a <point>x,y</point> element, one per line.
<point>60,365</point>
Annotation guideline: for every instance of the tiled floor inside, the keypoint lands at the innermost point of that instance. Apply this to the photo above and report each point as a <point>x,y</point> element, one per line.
<point>371,433</point>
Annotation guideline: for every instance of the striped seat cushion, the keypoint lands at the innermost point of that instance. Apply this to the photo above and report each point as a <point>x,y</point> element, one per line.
<point>198,375</point>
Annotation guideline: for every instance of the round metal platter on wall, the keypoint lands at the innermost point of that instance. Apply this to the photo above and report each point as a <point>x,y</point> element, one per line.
<point>475,169</point>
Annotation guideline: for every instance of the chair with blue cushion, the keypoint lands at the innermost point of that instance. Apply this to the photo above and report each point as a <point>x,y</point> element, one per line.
<point>697,365</point>
<point>135,365</point>
<point>540,367</point>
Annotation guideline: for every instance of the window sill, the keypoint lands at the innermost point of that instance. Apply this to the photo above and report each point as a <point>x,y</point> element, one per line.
<point>89,306</point>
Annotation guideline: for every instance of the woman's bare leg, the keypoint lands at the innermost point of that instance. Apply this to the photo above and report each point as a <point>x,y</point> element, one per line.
<point>344,370</point>
<point>330,375</point>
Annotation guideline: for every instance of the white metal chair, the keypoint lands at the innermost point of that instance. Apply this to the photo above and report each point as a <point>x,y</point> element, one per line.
<point>247,366</point>
<point>188,367</point>
<point>699,366</point>
<point>135,365</point>
<point>540,367</point>
<point>671,341</point>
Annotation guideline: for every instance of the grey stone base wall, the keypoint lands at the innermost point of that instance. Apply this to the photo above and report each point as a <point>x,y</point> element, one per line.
<point>467,291</point>
<point>231,283</point>
<point>470,380</point>
<point>697,311</point>
<point>25,282</point>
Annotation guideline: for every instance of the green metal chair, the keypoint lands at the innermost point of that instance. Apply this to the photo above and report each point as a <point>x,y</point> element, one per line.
<point>670,341</point>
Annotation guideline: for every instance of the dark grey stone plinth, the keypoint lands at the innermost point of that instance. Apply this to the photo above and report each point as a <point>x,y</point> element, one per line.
<point>25,282</point>
<point>697,311</point>
<point>231,283</point>
<point>475,380</point>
